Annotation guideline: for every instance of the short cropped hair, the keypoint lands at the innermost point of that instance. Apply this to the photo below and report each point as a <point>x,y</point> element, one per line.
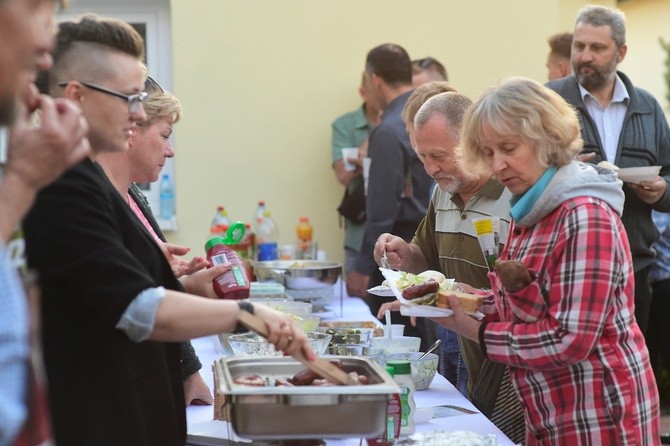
<point>524,107</point>
<point>560,44</point>
<point>429,64</point>
<point>597,15</point>
<point>78,41</point>
<point>420,95</point>
<point>451,106</point>
<point>390,62</point>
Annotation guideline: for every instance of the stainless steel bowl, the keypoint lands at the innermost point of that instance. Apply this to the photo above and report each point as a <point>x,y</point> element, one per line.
<point>299,274</point>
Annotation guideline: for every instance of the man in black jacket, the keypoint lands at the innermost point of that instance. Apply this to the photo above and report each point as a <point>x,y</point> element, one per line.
<point>621,124</point>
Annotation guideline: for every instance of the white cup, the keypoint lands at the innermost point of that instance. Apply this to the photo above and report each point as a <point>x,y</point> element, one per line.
<point>366,173</point>
<point>349,152</point>
<point>397,330</point>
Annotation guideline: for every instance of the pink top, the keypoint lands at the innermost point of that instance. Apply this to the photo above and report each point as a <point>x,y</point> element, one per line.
<point>136,209</point>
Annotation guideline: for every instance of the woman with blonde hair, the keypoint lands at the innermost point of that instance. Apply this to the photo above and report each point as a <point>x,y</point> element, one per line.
<point>563,286</point>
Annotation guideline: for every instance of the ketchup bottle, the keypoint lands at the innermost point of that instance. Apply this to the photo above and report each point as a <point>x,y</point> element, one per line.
<point>233,284</point>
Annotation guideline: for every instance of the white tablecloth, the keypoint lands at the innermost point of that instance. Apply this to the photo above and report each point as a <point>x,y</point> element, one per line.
<point>201,426</point>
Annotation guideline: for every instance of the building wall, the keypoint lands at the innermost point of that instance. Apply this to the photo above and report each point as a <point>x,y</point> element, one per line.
<point>262,81</point>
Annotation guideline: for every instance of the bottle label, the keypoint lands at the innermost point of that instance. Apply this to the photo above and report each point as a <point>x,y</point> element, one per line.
<point>219,259</point>
<point>267,251</point>
<point>404,406</point>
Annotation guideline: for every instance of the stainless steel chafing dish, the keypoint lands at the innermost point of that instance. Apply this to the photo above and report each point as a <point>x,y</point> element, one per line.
<point>302,412</point>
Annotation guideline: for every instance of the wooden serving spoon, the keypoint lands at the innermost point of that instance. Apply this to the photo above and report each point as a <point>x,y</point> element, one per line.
<point>319,366</point>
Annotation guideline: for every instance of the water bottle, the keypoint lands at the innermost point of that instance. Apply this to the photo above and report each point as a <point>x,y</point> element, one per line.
<point>220,222</point>
<point>304,232</point>
<point>393,419</point>
<point>166,198</point>
<point>266,238</point>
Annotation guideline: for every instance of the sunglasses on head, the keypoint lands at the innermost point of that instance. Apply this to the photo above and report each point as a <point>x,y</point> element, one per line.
<point>151,86</point>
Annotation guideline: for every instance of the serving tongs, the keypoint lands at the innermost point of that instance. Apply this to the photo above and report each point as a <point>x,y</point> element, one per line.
<point>319,366</point>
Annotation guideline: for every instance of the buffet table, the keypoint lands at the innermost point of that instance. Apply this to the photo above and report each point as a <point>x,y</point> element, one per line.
<point>203,430</point>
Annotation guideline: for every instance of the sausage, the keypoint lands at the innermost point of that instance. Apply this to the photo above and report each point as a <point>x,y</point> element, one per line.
<point>303,378</point>
<point>250,380</point>
<point>421,289</point>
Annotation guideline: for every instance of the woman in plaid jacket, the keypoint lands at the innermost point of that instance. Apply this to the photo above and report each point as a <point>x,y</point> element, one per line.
<point>568,333</point>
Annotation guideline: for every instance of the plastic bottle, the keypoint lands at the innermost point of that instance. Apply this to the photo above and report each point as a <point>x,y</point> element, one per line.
<point>220,222</point>
<point>258,216</point>
<point>393,420</point>
<point>233,284</point>
<point>303,232</point>
<point>403,377</point>
<point>266,238</point>
<point>166,198</point>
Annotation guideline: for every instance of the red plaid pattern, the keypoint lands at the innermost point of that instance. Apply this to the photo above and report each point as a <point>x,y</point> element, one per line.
<point>576,355</point>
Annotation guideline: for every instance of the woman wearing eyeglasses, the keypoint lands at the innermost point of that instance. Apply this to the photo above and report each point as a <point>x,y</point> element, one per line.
<point>113,311</point>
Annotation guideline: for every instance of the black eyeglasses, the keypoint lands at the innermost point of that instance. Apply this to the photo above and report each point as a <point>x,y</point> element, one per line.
<point>151,86</point>
<point>134,100</point>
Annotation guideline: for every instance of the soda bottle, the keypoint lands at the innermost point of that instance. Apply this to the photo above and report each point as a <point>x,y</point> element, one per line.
<point>220,222</point>
<point>303,232</point>
<point>166,198</point>
<point>234,283</point>
<point>266,238</point>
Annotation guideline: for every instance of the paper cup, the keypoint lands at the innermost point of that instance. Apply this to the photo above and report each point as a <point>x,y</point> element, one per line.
<point>397,330</point>
<point>349,152</point>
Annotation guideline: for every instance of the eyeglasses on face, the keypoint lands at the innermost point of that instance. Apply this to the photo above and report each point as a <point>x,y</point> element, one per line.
<point>134,100</point>
<point>151,86</point>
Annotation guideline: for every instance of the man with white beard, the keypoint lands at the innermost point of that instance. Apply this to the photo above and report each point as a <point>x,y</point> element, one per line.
<point>446,241</point>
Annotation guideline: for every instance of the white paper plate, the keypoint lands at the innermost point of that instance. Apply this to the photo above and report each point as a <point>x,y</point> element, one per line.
<point>410,309</point>
<point>638,174</point>
<point>382,291</point>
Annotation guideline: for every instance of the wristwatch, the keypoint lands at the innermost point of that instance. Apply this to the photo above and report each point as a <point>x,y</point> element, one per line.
<point>249,308</point>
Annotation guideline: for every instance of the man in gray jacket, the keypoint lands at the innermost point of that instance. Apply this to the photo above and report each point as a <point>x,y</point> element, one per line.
<point>621,124</point>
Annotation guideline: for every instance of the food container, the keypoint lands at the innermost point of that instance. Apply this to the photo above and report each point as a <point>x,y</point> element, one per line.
<point>348,335</point>
<point>400,344</point>
<point>299,274</point>
<point>362,350</point>
<point>302,412</point>
<point>287,306</point>
<point>253,344</point>
<point>423,371</point>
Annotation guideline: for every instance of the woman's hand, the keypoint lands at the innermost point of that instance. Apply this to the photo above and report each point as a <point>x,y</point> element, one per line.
<point>179,266</point>
<point>284,332</point>
<point>200,282</point>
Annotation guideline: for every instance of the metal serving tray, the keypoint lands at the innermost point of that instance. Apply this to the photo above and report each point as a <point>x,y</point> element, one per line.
<point>303,412</point>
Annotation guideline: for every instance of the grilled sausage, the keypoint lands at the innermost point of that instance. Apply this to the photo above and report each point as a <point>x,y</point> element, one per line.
<point>421,289</point>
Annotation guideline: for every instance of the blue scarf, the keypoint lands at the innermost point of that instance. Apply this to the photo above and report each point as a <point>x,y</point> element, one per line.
<point>522,204</point>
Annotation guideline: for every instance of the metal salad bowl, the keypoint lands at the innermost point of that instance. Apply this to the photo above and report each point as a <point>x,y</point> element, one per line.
<point>299,274</point>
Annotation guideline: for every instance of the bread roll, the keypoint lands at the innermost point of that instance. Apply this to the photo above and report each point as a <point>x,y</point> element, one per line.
<point>432,274</point>
<point>469,302</point>
<point>608,165</point>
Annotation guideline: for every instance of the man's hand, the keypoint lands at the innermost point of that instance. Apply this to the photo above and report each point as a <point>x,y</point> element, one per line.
<point>357,284</point>
<point>40,154</point>
<point>460,322</point>
<point>650,191</point>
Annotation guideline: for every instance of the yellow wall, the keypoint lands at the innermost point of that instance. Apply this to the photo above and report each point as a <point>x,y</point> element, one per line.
<point>261,82</point>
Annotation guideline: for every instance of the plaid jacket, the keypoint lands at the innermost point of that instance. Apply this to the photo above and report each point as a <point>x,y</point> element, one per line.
<point>576,355</point>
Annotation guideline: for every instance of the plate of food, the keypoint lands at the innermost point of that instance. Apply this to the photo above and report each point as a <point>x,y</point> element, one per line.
<point>382,290</point>
<point>425,294</point>
<point>633,174</point>
<point>638,174</point>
